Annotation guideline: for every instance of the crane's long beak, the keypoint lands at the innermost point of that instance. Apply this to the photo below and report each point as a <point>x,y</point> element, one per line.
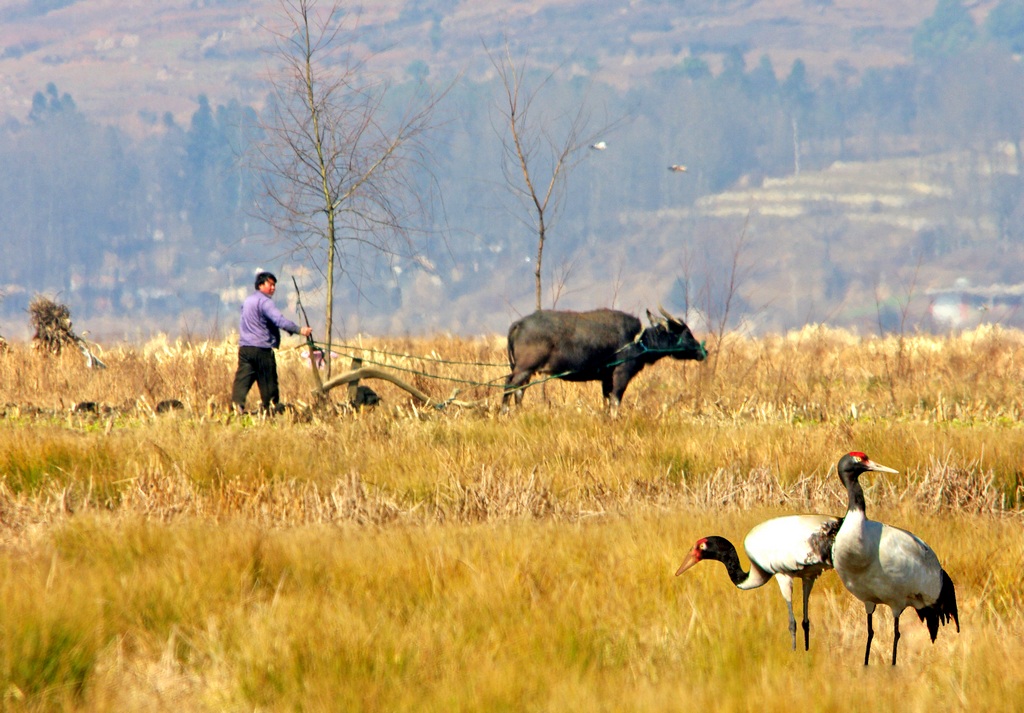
<point>691,559</point>
<point>877,467</point>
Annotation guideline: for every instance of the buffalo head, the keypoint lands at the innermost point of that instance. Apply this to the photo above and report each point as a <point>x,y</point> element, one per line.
<point>669,336</point>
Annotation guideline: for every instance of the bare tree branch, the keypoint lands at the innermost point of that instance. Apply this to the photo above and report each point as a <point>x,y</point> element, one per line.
<point>336,165</point>
<point>526,149</point>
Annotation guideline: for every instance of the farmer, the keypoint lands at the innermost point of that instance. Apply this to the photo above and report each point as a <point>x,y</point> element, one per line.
<point>259,333</point>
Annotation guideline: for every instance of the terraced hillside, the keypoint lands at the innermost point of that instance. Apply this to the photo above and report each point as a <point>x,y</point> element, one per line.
<point>877,238</point>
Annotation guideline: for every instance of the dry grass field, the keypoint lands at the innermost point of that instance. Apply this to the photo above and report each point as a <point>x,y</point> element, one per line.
<point>407,557</point>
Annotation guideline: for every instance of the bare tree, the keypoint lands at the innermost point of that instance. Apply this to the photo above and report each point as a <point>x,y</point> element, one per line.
<point>712,283</point>
<point>337,165</point>
<point>539,149</point>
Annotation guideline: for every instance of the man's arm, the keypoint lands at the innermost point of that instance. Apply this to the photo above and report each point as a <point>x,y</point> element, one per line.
<point>272,313</point>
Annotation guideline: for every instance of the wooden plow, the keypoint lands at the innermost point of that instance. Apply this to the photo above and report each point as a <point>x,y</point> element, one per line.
<point>357,372</point>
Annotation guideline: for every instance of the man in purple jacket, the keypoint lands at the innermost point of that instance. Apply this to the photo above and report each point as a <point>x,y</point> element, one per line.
<point>259,333</point>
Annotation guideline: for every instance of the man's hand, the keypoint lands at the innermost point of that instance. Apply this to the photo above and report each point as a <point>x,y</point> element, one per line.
<point>306,331</point>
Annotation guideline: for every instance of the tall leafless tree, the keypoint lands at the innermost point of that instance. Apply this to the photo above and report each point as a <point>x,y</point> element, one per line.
<point>540,147</point>
<point>338,166</point>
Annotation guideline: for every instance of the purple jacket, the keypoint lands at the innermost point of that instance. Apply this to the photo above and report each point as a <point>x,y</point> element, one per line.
<point>262,322</point>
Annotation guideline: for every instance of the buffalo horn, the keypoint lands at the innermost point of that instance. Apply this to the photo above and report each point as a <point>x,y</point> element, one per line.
<point>669,317</point>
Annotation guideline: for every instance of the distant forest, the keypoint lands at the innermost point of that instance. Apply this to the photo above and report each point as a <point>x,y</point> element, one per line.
<point>160,231</point>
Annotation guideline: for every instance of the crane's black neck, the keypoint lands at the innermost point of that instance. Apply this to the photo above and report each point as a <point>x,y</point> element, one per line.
<point>854,493</point>
<point>719,548</point>
<point>851,466</point>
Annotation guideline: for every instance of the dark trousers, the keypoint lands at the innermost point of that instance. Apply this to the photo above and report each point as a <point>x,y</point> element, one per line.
<point>256,364</point>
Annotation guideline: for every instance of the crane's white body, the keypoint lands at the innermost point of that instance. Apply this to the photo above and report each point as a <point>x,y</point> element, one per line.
<point>784,546</point>
<point>881,564</point>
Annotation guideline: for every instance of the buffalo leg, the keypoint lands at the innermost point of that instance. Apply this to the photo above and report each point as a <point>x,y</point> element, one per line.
<point>621,377</point>
<point>514,385</point>
<point>612,394</point>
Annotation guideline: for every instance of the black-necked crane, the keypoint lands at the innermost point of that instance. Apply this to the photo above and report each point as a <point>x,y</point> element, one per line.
<point>881,564</point>
<point>787,548</point>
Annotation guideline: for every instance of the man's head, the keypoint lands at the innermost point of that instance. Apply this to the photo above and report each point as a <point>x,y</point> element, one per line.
<point>266,282</point>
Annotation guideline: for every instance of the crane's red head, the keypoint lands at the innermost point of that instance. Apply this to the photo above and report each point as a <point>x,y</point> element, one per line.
<point>854,463</point>
<point>694,556</point>
<point>712,547</point>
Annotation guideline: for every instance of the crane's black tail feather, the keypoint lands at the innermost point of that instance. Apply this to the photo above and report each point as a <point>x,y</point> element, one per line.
<point>943,609</point>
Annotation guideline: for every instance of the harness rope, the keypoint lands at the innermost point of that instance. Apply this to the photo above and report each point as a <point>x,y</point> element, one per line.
<point>410,356</point>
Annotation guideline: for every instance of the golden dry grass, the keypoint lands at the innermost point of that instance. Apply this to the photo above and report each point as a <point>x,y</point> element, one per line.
<point>407,558</point>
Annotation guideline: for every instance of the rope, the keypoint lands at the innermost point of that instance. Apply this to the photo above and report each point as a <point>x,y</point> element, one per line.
<point>438,360</point>
<point>644,349</point>
<point>418,372</point>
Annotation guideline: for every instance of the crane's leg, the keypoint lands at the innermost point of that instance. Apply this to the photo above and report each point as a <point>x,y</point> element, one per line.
<point>808,586</point>
<point>871,632</point>
<point>786,587</point>
<point>895,635</point>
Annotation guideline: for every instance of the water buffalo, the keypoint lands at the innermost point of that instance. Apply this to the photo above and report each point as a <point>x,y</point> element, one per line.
<point>602,345</point>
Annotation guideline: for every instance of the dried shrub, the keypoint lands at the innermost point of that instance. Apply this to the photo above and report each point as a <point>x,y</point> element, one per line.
<point>52,324</point>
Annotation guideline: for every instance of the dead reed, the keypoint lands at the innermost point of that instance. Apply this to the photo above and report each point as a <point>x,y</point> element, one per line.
<point>421,472</point>
<point>536,615</point>
<point>411,558</point>
<point>817,374</point>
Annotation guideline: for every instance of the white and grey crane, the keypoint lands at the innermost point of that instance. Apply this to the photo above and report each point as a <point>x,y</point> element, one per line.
<point>882,564</point>
<point>788,548</point>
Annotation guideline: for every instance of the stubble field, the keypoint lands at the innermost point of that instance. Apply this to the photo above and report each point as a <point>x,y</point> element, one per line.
<point>412,558</point>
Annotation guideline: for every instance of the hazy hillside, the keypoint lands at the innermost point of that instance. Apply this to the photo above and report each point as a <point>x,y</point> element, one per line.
<point>120,58</point>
